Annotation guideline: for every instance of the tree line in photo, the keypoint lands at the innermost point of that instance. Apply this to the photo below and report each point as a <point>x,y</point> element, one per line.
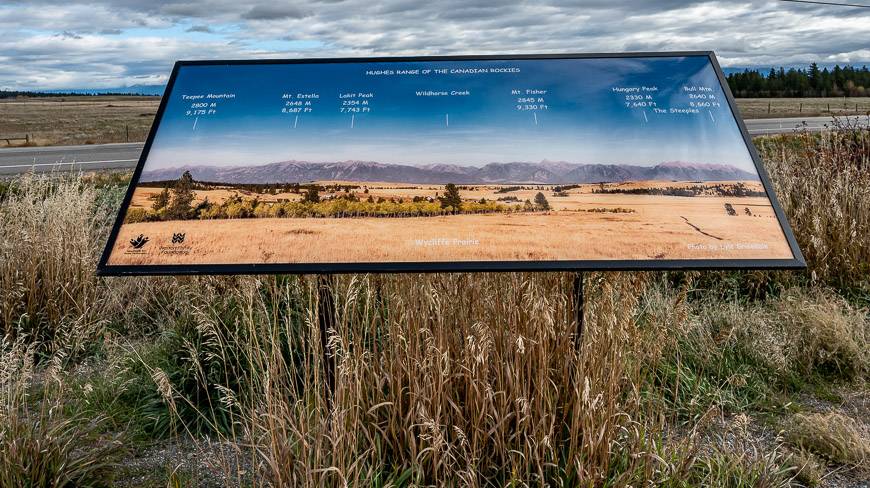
<point>176,201</point>
<point>721,190</point>
<point>847,81</point>
<point>53,94</point>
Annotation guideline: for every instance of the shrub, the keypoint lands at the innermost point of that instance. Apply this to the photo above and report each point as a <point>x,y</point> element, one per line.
<point>136,215</point>
<point>823,335</point>
<point>238,210</point>
<point>806,467</point>
<point>735,356</point>
<point>41,447</point>
<point>197,367</point>
<point>737,469</point>
<point>833,436</point>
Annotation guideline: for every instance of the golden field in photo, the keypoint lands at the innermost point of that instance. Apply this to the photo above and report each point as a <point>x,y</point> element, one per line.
<point>582,224</point>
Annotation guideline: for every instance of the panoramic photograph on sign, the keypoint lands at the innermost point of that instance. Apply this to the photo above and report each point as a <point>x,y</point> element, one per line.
<point>437,161</point>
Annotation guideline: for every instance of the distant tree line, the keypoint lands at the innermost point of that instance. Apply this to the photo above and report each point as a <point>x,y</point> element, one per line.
<point>176,201</point>
<point>839,81</point>
<point>261,188</point>
<point>846,81</point>
<point>722,190</point>
<point>39,94</point>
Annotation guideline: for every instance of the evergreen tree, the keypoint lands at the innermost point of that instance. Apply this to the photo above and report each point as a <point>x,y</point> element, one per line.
<point>451,198</point>
<point>527,206</point>
<point>814,81</point>
<point>814,76</point>
<point>182,197</point>
<point>161,200</point>
<point>312,195</point>
<point>541,201</point>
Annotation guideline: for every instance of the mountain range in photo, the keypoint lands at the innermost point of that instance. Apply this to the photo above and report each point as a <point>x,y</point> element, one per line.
<point>544,172</point>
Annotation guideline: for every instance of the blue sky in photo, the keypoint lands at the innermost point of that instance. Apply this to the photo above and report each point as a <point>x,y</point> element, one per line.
<point>585,120</point>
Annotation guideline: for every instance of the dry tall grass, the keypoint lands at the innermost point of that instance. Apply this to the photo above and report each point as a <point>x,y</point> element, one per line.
<point>476,381</point>
<point>47,258</point>
<point>823,183</point>
<point>51,230</point>
<point>833,436</point>
<point>446,379</point>
<point>39,444</point>
<point>464,380</point>
<point>442,379</point>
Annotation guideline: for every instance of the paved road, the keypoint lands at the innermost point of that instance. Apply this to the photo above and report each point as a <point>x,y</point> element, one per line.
<point>782,126</point>
<point>113,156</point>
<point>65,158</point>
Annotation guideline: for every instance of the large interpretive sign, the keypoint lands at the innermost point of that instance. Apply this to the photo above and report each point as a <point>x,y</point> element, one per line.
<point>566,162</point>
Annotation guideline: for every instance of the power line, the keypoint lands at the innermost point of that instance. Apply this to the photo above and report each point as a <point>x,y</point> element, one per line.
<point>818,2</point>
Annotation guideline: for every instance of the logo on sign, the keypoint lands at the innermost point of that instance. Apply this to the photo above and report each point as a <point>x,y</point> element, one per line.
<point>139,242</point>
<point>177,246</point>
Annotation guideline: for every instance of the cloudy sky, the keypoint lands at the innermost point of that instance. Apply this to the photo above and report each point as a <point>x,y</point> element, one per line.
<point>49,44</point>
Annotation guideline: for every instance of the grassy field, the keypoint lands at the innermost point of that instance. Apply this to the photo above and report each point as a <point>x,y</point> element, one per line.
<point>580,225</point>
<point>763,108</point>
<point>52,121</point>
<point>106,119</point>
<point>738,379</point>
<point>561,235</point>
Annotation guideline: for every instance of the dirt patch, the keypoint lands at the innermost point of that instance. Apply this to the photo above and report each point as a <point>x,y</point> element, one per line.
<point>203,463</point>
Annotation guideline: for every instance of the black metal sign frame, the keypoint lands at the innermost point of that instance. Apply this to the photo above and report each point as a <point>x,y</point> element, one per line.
<point>796,262</point>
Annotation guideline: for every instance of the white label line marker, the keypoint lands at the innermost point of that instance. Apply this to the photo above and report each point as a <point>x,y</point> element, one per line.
<point>68,164</point>
<point>194,122</point>
<point>536,117</point>
<point>351,120</point>
<point>711,116</point>
<point>645,119</point>
<point>295,121</point>
<point>447,119</point>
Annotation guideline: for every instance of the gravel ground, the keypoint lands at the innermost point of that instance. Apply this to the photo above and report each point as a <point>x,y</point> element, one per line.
<point>742,433</point>
<point>201,463</point>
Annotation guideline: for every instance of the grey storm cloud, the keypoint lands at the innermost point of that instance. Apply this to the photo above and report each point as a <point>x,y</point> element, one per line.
<point>274,12</point>
<point>200,28</point>
<point>102,43</point>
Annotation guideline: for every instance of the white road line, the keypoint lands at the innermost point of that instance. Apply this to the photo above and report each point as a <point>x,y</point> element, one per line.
<point>73,163</point>
<point>6,150</point>
<point>780,131</point>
